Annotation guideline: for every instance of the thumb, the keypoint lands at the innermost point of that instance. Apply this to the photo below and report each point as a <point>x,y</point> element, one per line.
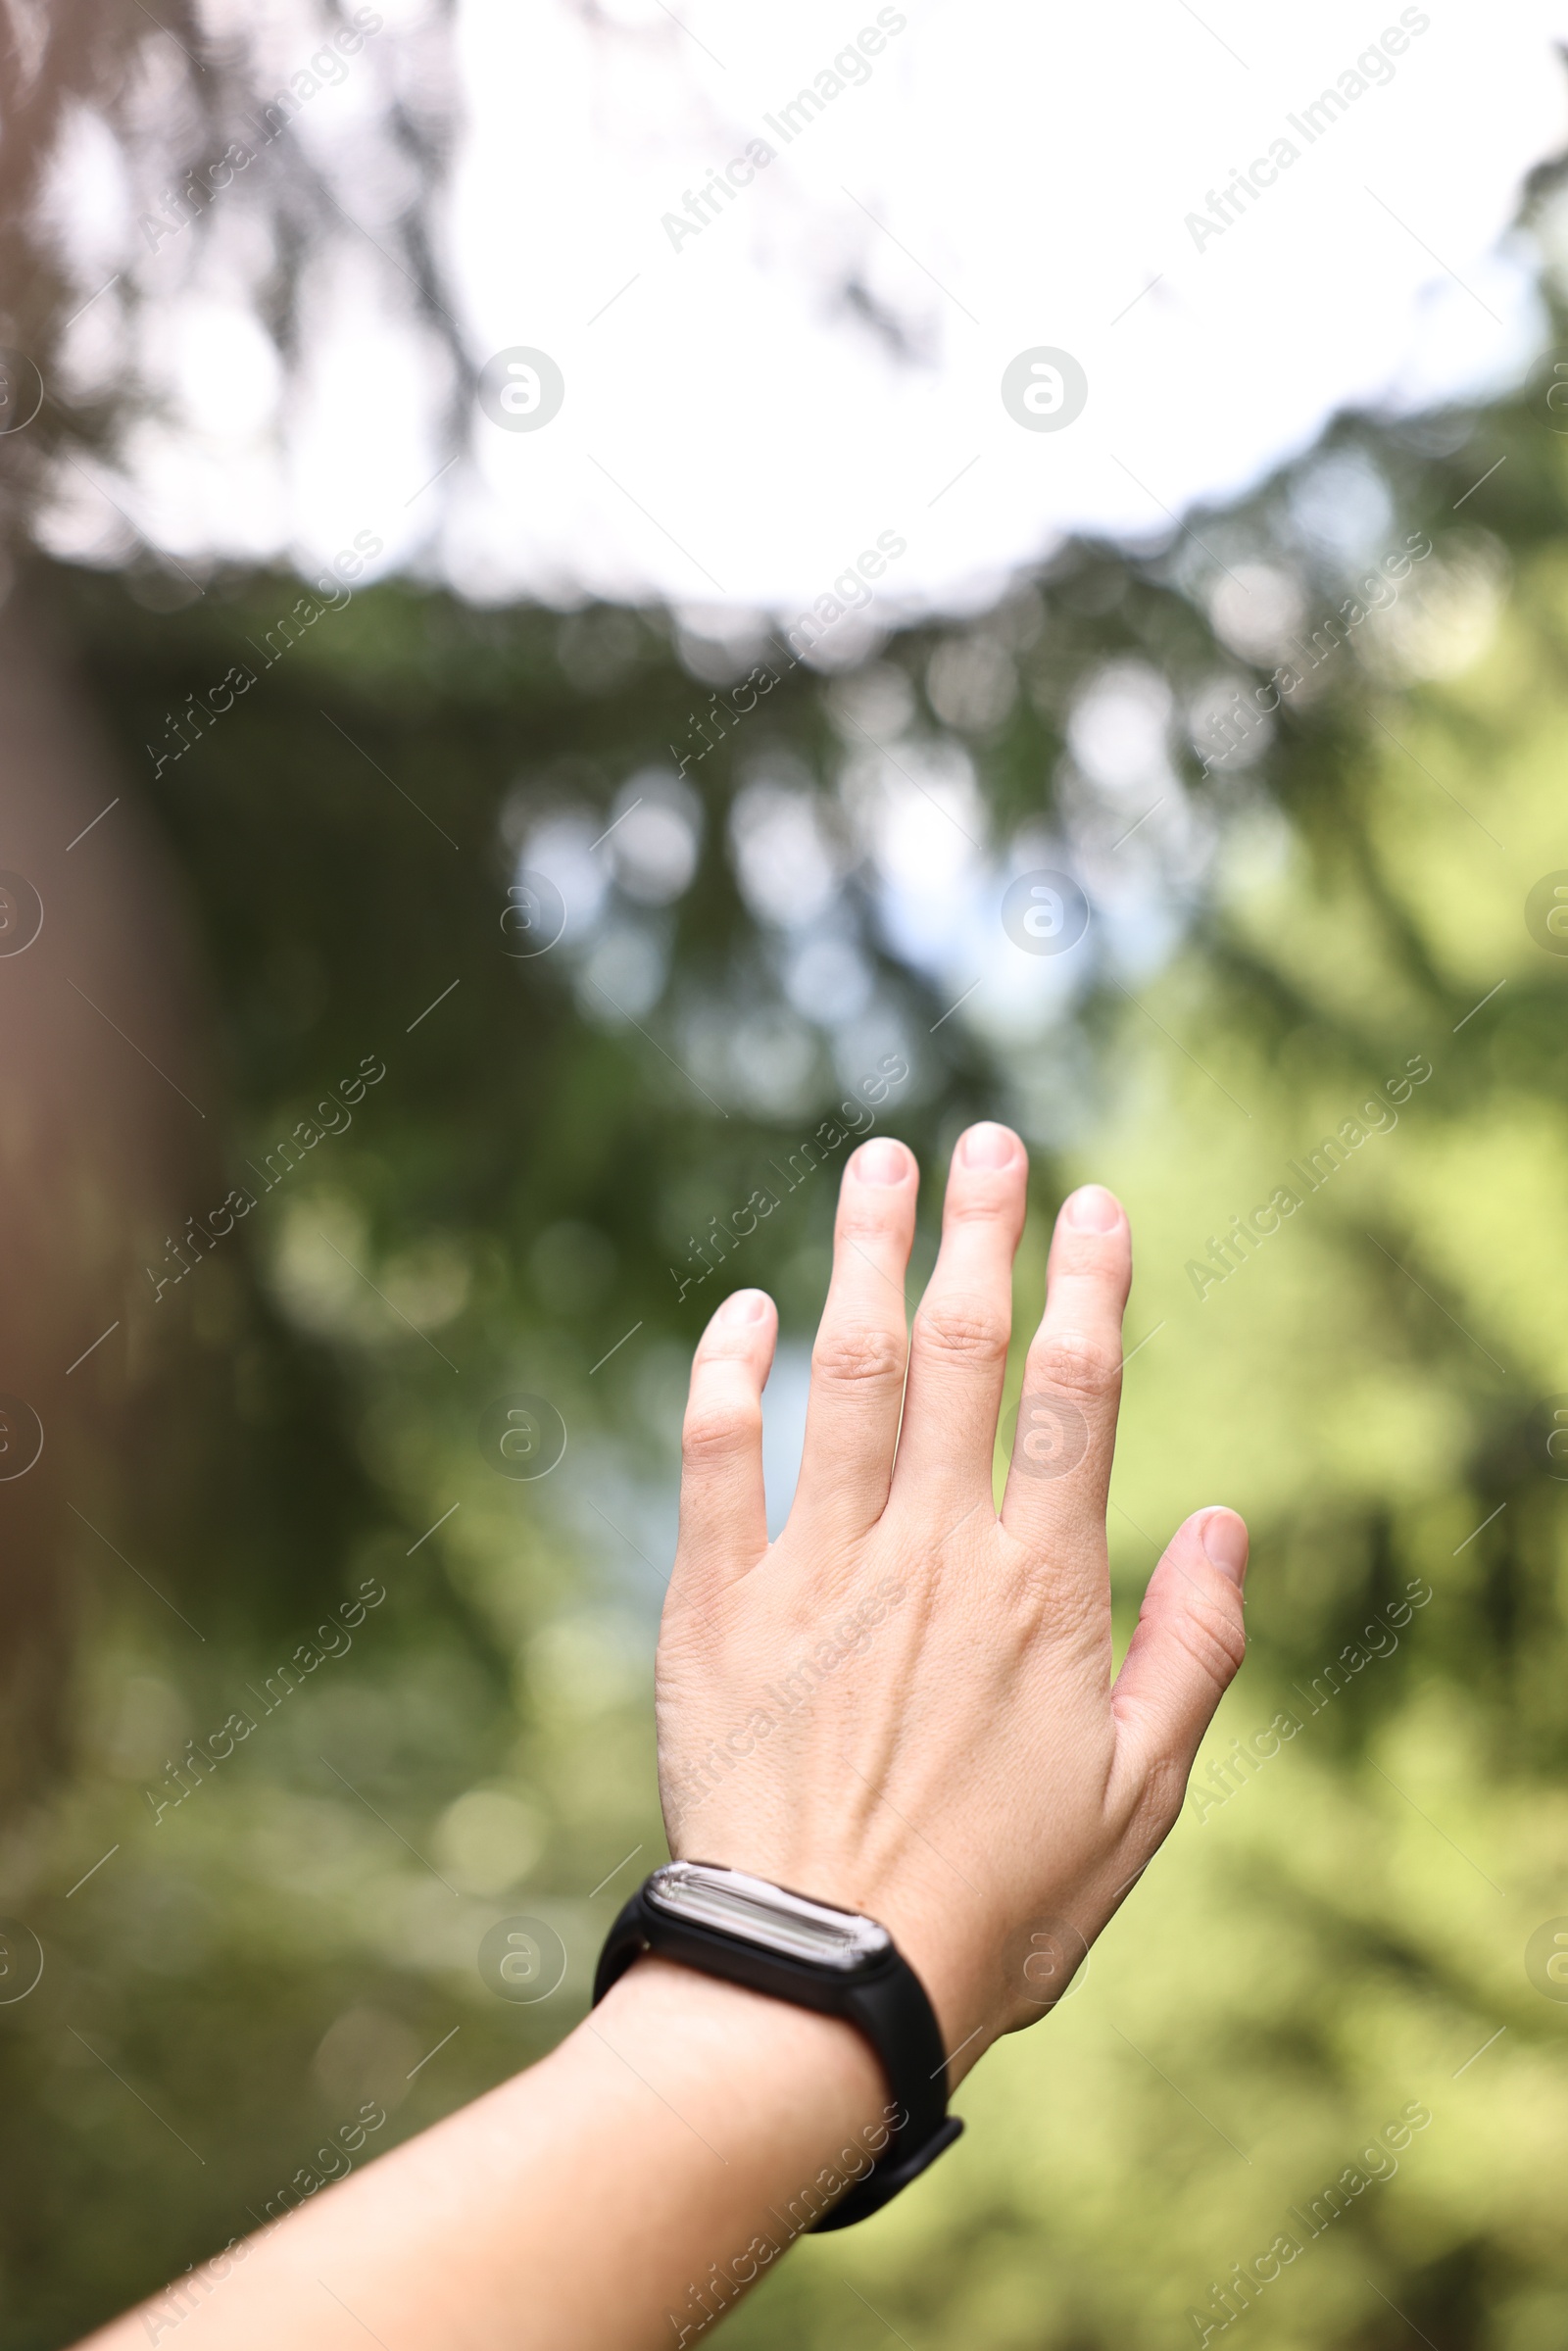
<point>1190,1641</point>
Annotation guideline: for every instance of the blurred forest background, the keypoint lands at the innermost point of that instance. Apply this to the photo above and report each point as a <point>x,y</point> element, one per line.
<point>339,874</point>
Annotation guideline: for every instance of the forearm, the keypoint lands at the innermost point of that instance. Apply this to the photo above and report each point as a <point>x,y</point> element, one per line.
<point>619,2194</point>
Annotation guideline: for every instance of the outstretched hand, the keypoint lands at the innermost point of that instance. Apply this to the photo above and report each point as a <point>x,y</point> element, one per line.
<point>904,1705</point>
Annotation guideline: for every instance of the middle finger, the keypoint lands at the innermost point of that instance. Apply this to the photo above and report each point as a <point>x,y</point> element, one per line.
<point>958,1348</point>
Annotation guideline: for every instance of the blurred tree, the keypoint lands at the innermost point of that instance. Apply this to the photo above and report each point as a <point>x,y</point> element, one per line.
<point>196,130</point>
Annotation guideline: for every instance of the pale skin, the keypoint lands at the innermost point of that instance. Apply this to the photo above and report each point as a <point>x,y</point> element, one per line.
<point>964,1765</point>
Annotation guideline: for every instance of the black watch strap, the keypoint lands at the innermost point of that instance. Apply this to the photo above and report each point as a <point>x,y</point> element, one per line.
<point>715,1920</point>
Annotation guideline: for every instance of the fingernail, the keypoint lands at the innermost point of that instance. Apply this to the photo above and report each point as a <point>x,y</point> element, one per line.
<point>747,1305</point>
<point>1225,1544</point>
<point>988,1146</point>
<point>1093,1210</point>
<point>881,1162</point>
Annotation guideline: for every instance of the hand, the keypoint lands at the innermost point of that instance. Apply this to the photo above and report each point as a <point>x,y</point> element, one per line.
<point>905,1706</point>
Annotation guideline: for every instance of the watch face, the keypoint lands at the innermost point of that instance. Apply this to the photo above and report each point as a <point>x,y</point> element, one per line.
<point>767,1916</point>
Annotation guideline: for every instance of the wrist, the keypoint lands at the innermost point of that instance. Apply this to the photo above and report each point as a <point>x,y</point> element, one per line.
<point>736,2046</point>
<point>953,1975</point>
<point>935,1936</point>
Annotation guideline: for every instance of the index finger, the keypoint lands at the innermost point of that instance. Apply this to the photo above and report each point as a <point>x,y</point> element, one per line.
<point>1066,1433</point>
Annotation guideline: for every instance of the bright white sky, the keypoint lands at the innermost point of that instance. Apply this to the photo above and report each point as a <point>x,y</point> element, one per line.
<point>736,427</point>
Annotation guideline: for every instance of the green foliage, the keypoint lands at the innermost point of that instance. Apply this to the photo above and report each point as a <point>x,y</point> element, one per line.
<point>1336,1933</point>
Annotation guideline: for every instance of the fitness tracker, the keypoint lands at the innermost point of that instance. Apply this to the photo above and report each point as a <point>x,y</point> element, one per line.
<point>751,1931</point>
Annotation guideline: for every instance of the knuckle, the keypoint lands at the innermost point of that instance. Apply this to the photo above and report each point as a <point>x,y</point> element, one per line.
<point>1074,1616</point>
<point>964,1330</point>
<point>1083,1366</point>
<point>710,1433</point>
<point>848,1353</point>
<point>721,1342</point>
<point>1163,1790</point>
<point>858,1222</point>
<point>978,1203</point>
<point>1213,1638</point>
